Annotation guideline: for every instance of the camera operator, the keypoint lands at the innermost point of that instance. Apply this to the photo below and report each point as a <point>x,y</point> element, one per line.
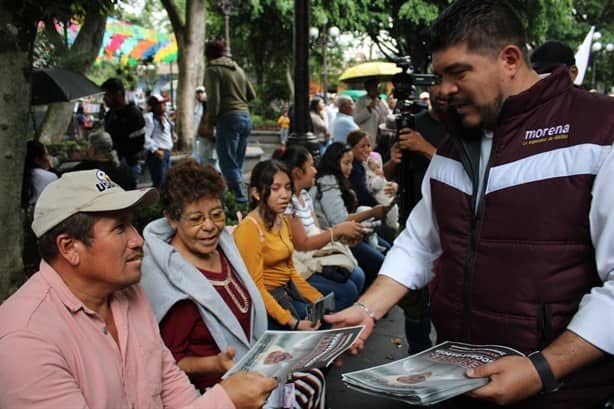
<point>422,141</point>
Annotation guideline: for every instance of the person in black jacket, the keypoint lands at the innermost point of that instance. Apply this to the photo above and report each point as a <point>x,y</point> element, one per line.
<point>126,125</point>
<point>102,156</point>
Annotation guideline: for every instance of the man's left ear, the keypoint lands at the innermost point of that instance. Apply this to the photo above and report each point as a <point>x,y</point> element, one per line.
<point>511,56</point>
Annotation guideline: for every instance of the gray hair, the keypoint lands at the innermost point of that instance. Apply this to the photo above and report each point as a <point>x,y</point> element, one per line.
<point>102,144</point>
<point>342,100</point>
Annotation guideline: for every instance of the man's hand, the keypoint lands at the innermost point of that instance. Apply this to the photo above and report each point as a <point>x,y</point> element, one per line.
<point>159,153</point>
<point>248,390</point>
<point>414,141</point>
<point>208,134</point>
<point>350,317</point>
<point>512,378</point>
<point>396,154</point>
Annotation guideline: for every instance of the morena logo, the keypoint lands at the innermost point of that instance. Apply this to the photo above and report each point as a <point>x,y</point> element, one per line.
<point>548,131</point>
<point>105,181</point>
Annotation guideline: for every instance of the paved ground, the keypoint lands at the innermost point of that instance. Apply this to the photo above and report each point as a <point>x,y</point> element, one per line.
<point>387,343</point>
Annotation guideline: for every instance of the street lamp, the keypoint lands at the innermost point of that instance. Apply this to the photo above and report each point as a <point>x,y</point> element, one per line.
<point>596,48</point>
<point>226,6</point>
<point>328,39</point>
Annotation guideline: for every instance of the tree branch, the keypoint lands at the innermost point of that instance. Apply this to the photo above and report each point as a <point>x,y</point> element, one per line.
<point>54,37</point>
<point>176,20</point>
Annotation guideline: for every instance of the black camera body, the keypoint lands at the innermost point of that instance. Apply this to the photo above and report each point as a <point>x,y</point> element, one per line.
<point>408,105</point>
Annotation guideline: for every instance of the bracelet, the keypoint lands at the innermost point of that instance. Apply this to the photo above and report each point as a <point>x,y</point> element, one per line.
<point>549,382</point>
<point>332,235</point>
<point>295,327</point>
<point>367,311</point>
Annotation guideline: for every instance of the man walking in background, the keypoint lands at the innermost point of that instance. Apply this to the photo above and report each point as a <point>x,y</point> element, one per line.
<point>228,94</point>
<point>126,125</point>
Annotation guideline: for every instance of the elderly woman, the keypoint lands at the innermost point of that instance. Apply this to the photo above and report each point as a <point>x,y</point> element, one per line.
<point>102,156</point>
<point>208,307</point>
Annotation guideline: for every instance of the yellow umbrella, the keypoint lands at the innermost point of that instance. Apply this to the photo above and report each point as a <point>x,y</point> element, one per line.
<point>374,69</point>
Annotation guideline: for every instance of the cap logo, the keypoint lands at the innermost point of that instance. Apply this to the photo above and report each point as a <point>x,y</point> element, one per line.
<point>105,181</point>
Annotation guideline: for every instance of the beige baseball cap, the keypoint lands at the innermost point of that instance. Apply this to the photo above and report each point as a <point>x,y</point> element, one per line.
<point>84,191</point>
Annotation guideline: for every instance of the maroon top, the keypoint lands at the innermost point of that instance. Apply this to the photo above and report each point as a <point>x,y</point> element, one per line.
<point>185,333</point>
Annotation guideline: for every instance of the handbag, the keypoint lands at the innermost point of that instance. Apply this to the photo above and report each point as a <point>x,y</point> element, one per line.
<point>335,273</point>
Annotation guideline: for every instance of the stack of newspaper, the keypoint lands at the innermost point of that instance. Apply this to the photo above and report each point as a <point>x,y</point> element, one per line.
<point>429,377</point>
<point>279,353</point>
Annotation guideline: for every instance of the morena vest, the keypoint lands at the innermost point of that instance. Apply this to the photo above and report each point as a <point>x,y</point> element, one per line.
<point>514,271</point>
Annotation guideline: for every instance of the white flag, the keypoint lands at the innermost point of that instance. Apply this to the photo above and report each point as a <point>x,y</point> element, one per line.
<point>584,51</point>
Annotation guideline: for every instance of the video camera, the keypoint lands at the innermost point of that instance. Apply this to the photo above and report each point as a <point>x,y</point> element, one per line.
<point>407,103</point>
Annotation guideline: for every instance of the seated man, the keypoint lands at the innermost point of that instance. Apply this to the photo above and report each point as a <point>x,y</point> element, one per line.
<point>80,333</point>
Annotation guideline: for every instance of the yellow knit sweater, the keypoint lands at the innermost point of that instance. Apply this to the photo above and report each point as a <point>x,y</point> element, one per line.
<point>268,259</point>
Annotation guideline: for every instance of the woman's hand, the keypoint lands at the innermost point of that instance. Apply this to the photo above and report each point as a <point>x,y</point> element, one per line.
<point>348,231</point>
<point>391,189</point>
<point>380,211</point>
<point>225,360</point>
<point>304,325</point>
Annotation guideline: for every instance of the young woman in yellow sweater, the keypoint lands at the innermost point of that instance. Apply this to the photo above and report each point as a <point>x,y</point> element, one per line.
<point>265,243</point>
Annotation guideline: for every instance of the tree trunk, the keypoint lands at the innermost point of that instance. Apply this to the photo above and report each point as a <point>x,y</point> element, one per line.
<point>191,46</point>
<point>79,57</point>
<point>56,122</point>
<point>16,43</point>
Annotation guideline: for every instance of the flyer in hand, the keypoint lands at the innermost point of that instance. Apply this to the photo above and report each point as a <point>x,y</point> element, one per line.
<point>279,353</point>
<point>429,377</point>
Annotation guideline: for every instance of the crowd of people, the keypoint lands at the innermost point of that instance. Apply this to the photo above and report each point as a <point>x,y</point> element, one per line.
<point>488,253</point>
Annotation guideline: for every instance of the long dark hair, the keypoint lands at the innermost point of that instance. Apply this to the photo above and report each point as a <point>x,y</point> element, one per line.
<point>294,156</point>
<point>330,164</point>
<point>261,181</point>
<point>35,150</point>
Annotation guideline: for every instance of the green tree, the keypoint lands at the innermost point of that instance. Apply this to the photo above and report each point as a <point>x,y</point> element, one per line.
<point>18,26</point>
<point>188,22</point>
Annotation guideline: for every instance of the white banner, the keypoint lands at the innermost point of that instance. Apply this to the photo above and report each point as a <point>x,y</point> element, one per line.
<point>584,52</point>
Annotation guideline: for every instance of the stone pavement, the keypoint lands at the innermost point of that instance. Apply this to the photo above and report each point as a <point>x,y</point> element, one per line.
<point>387,343</point>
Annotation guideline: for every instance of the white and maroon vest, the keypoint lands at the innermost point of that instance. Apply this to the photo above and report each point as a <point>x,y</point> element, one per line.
<point>514,271</point>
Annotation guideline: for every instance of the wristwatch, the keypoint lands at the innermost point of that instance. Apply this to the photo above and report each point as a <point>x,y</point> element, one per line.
<point>549,382</point>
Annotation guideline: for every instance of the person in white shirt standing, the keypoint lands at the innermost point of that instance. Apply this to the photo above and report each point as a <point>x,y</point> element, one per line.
<point>370,110</point>
<point>158,139</point>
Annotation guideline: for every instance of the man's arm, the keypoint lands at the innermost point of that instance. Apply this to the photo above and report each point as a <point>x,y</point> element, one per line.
<point>34,374</point>
<point>212,84</point>
<point>408,265</point>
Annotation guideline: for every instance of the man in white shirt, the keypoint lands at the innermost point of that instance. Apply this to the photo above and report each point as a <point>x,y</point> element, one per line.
<point>343,123</point>
<point>371,110</point>
<point>488,211</point>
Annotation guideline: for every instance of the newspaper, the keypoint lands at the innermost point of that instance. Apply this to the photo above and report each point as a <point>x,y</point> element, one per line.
<point>429,377</point>
<point>279,353</point>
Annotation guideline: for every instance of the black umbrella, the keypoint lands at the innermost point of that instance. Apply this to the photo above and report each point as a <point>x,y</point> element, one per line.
<point>60,85</point>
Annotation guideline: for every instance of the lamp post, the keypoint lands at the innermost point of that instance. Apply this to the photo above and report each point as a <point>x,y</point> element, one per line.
<point>596,49</point>
<point>328,39</point>
<point>226,6</point>
<point>300,134</point>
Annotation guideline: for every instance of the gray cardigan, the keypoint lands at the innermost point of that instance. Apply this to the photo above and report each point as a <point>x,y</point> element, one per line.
<point>168,278</point>
<point>329,208</point>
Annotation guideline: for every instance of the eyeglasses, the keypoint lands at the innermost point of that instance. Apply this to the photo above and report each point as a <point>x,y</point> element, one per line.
<point>198,219</point>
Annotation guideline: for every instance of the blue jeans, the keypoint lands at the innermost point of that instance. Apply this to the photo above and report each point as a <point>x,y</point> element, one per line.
<point>369,259</point>
<point>158,167</point>
<point>345,293</point>
<point>232,131</point>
